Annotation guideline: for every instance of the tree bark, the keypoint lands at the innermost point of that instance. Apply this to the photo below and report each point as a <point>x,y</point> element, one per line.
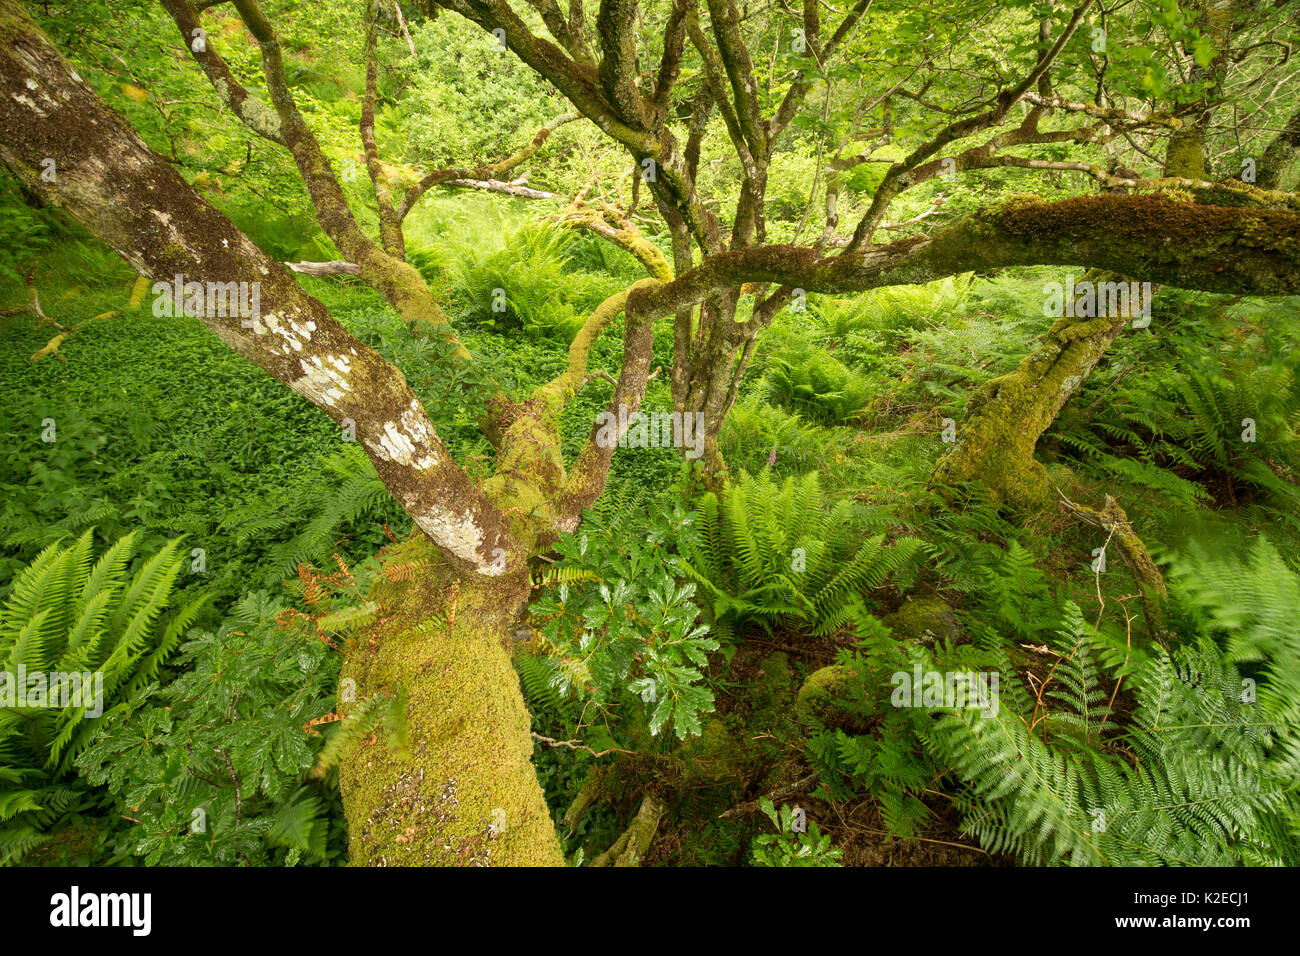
<point>386,272</point>
<point>996,441</point>
<point>441,640</point>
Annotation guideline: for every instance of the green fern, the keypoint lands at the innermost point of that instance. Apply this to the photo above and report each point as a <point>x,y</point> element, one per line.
<point>538,678</point>
<point>378,713</point>
<point>1203,772</point>
<point>560,574</point>
<point>323,506</point>
<point>68,613</point>
<point>768,553</point>
<point>1230,425</point>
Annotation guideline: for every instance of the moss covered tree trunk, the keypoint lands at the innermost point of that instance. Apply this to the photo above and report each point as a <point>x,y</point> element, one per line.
<point>444,629</point>
<point>463,791</point>
<point>996,441</point>
<point>1185,153</point>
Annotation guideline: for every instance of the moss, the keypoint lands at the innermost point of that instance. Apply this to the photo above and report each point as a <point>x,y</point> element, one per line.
<point>714,756</point>
<point>996,441</point>
<point>821,692</point>
<point>466,792</point>
<point>775,680</point>
<point>1185,154</point>
<point>926,620</point>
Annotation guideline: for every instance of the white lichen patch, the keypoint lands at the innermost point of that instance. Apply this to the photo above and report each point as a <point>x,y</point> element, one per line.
<point>324,382</point>
<point>173,234</point>
<point>407,441</point>
<point>293,334</point>
<point>458,534</point>
<point>304,330</point>
<point>569,524</point>
<point>393,445</point>
<point>28,102</point>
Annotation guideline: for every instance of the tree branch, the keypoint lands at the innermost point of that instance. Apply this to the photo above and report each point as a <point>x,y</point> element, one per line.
<point>484,173</point>
<point>133,200</point>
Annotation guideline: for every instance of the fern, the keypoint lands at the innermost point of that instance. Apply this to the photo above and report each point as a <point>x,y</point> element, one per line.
<point>769,553</point>
<point>1231,422</point>
<point>323,506</point>
<point>375,714</point>
<point>561,574</point>
<point>67,614</point>
<point>1204,772</point>
<point>539,679</point>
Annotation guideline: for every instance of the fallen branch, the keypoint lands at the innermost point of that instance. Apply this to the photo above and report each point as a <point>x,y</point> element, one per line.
<point>333,267</point>
<point>632,846</point>
<point>1150,582</point>
<point>802,785</point>
<point>516,188</point>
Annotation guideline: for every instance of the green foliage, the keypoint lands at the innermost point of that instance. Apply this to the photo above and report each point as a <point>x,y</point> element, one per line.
<point>768,553</point>
<point>961,544</point>
<point>632,631</point>
<point>180,443</point>
<point>1014,596</point>
<point>183,437</point>
<point>787,847</point>
<point>467,104</point>
<point>214,766</point>
<point>1204,770</point>
<point>895,311</point>
<point>1198,428</point>
<point>24,234</point>
<point>818,387</point>
<point>754,429</point>
<point>101,633</point>
<point>520,279</point>
<point>322,507</point>
<point>888,760</point>
<point>536,680</point>
<point>380,713</point>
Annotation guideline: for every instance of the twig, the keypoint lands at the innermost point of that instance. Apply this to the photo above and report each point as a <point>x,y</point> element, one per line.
<point>239,802</point>
<point>578,745</point>
<point>802,785</point>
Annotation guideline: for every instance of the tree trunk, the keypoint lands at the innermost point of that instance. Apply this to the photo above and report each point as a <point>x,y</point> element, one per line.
<point>995,443</point>
<point>464,792</point>
<point>442,633</point>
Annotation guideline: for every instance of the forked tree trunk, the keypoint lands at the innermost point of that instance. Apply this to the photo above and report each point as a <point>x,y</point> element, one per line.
<point>466,791</point>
